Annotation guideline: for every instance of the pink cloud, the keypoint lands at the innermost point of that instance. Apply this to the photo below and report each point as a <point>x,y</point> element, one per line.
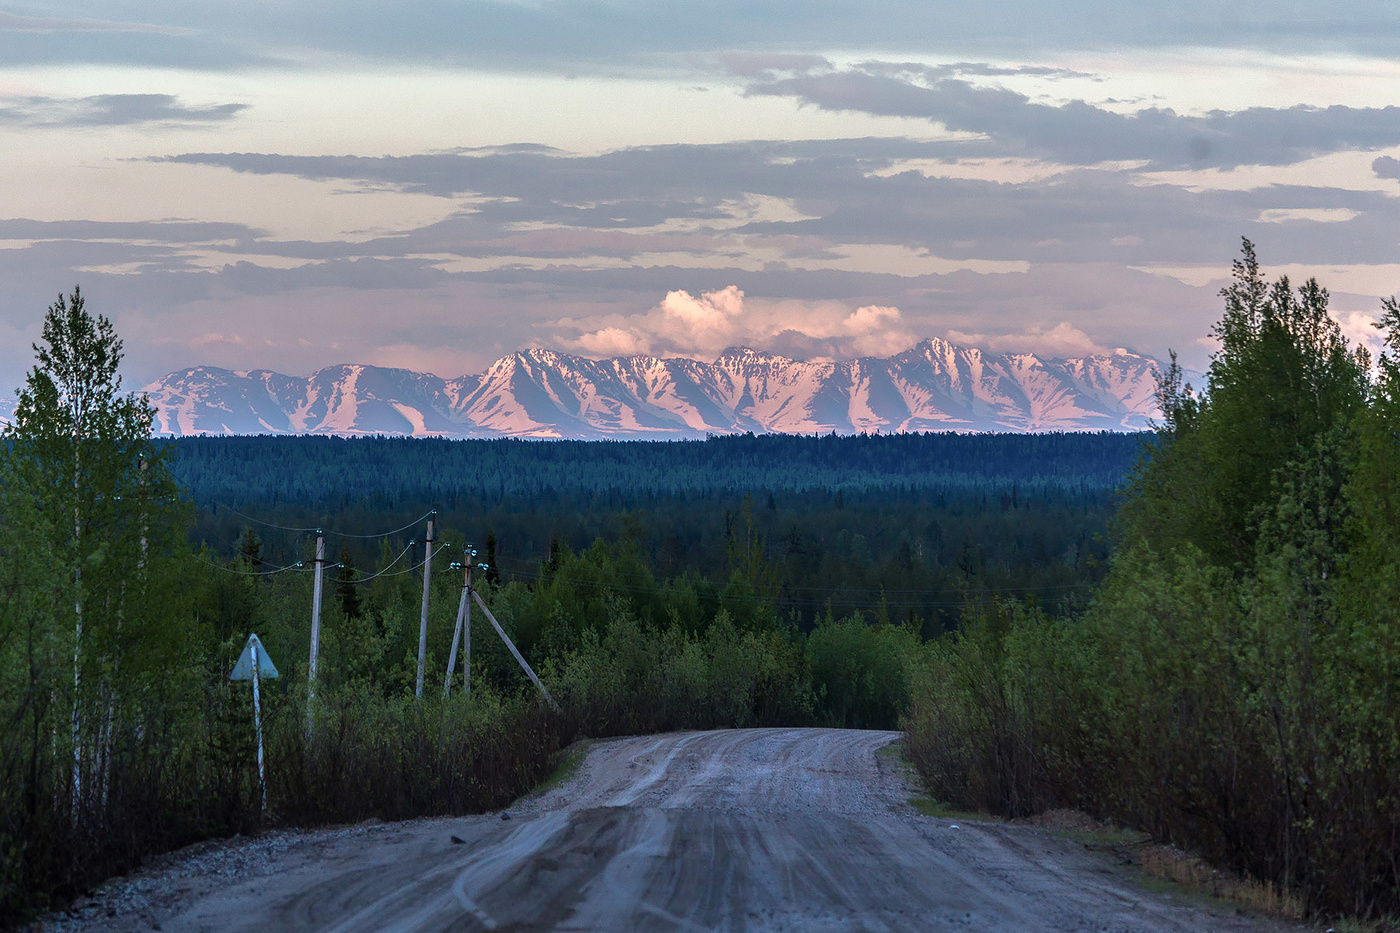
<point>613,341</point>
<point>702,327</point>
<point>1064,340</point>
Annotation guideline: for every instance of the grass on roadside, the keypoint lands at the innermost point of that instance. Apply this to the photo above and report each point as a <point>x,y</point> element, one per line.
<point>569,761</point>
<point>894,754</point>
<point>1351,925</point>
<point>1197,877</point>
<point>1167,869</point>
<point>930,807</point>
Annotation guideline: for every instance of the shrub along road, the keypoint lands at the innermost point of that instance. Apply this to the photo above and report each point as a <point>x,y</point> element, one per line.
<point>757,829</point>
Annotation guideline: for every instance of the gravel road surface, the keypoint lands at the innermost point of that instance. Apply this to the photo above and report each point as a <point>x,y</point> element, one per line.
<point>758,829</point>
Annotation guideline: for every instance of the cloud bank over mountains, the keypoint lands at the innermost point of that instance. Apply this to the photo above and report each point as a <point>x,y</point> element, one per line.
<point>702,327</point>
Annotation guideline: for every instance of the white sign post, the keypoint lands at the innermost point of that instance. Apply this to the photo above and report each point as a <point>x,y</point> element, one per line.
<point>253,664</point>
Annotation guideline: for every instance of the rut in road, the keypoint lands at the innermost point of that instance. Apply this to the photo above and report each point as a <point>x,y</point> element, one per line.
<point>761,829</point>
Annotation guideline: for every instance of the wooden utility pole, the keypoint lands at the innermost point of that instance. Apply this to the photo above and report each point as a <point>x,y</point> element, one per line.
<point>423,621</point>
<point>464,609</point>
<point>467,626</point>
<point>315,629</point>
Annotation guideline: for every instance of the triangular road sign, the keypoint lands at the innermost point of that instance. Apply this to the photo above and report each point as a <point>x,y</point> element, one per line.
<point>243,670</point>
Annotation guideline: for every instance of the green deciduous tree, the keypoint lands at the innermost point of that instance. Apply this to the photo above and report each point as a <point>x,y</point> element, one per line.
<point>92,521</point>
<point>1282,378</point>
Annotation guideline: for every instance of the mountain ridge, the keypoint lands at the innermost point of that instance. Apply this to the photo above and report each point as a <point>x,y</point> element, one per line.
<point>541,393</point>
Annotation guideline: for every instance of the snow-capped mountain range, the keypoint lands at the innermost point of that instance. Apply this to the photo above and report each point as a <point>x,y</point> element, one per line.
<point>936,386</point>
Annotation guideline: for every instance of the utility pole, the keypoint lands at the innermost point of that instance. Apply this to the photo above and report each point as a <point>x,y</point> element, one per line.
<point>315,629</point>
<point>423,621</point>
<point>464,612</point>
<point>467,631</point>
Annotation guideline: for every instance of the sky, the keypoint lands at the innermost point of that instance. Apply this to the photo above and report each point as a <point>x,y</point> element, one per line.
<point>432,185</point>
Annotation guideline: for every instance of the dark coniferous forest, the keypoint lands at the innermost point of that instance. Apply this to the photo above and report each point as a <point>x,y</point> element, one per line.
<point>909,525</point>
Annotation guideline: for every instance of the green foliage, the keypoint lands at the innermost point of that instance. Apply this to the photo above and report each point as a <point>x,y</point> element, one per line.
<point>861,672</point>
<point>630,680</point>
<point>1233,688</point>
<point>967,729</point>
<point>95,643</point>
<point>397,757</point>
<point>1283,376</point>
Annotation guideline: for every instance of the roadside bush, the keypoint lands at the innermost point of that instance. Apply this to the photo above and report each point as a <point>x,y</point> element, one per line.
<point>396,758</point>
<point>1227,719</point>
<point>970,728</point>
<point>860,672</point>
<point>631,680</point>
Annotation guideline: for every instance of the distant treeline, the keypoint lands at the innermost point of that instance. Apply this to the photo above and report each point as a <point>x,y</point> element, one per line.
<point>390,472</point>
<point>905,524</point>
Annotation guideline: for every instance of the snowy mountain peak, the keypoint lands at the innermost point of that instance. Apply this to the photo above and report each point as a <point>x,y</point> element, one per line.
<point>535,392</point>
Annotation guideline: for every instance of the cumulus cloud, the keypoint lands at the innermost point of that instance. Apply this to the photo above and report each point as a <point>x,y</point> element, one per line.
<point>681,325</point>
<point>701,327</point>
<point>1062,341</point>
<point>110,110</point>
<point>1386,167</point>
<point>1359,327</point>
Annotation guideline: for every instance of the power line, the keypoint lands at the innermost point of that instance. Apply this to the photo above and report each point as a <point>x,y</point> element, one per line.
<point>299,565</point>
<point>258,521</point>
<point>385,571</point>
<point>384,534</point>
<point>338,534</point>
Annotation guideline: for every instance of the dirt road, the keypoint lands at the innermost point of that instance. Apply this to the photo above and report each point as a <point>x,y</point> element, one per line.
<point>764,829</point>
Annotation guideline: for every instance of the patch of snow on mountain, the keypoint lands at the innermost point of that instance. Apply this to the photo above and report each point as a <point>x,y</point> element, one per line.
<point>935,386</point>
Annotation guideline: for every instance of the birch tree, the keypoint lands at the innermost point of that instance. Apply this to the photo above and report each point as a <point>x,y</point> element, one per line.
<point>80,458</point>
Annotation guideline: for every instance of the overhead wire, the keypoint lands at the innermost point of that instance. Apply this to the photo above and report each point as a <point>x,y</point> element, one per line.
<point>384,534</point>
<point>299,565</point>
<point>259,521</point>
<point>384,572</point>
<point>331,533</point>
